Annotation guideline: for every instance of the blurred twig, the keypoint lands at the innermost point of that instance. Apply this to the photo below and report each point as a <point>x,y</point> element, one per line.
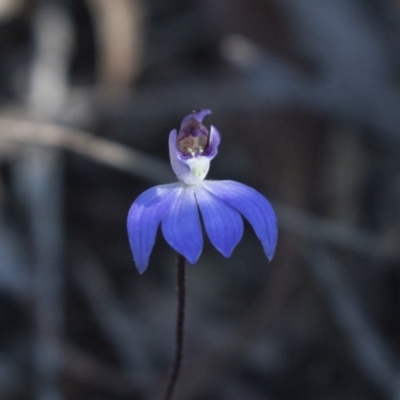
<point>10,8</point>
<point>43,193</point>
<point>54,39</point>
<point>40,178</point>
<point>14,276</point>
<point>119,25</point>
<point>100,150</point>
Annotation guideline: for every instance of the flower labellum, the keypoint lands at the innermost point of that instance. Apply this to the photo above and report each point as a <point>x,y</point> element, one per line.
<point>176,206</point>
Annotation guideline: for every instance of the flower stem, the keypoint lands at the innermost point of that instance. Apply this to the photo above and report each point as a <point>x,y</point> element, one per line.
<point>180,321</point>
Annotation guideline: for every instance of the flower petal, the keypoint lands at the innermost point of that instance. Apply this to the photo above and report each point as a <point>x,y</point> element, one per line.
<point>181,225</point>
<point>144,217</point>
<point>179,167</point>
<point>254,207</point>
<point>214,141</point>
<point>223,223</point>
<point>197,115</point>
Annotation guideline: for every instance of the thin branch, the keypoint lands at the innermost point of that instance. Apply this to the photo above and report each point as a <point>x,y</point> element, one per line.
<point>101,150</point>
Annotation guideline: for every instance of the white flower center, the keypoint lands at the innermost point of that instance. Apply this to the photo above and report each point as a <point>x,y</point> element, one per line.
<point>199,167</point>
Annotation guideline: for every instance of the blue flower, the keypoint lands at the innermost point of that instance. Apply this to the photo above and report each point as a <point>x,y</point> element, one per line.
<point>176,206</point>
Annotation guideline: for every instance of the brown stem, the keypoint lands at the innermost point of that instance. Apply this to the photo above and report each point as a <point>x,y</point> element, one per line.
<point>180,320</point>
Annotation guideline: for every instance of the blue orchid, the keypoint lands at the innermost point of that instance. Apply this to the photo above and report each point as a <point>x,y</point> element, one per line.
<point>176,206</point>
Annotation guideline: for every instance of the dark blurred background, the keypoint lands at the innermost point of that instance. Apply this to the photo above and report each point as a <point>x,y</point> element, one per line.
<point>306,96</point>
